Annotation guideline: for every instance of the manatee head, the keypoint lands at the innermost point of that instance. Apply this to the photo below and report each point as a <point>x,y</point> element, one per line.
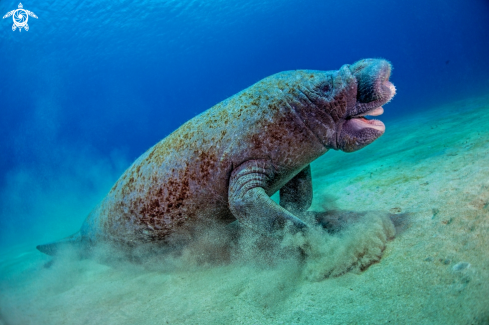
<point>367,86</point>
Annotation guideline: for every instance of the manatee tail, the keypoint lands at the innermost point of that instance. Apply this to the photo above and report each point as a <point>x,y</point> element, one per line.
<point>73,241</point>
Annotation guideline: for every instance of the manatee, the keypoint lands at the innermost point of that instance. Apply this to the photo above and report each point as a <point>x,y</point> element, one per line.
<point>226,163</point>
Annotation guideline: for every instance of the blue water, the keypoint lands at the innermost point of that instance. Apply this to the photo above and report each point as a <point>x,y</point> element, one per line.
<point>93,84</point>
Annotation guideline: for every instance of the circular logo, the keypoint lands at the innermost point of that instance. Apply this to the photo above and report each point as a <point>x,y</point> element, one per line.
<point>20,18</point>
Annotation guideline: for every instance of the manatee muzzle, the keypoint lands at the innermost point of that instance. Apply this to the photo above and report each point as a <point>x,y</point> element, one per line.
<point>373,90</point>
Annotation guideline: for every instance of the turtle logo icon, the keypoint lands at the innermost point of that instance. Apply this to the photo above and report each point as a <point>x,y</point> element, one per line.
<point>20,17</point>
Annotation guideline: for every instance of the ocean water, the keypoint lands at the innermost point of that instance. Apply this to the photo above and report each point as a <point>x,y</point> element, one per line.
<point>92,85</point>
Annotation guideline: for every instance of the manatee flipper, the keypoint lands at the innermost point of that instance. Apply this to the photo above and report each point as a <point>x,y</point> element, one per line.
<point>73,241</point>
<point>296,195</point>
<point>249,202</point>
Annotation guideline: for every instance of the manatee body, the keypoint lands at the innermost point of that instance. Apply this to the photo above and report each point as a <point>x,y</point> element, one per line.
<point>225,163</point>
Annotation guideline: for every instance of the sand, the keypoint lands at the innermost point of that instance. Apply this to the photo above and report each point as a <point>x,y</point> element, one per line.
<point>430,171</point>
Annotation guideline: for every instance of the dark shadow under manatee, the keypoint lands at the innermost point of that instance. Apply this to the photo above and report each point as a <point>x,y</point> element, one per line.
<point>333,221</point>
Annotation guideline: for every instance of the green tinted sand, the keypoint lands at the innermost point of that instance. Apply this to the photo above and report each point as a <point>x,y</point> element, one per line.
<point>430,170</point>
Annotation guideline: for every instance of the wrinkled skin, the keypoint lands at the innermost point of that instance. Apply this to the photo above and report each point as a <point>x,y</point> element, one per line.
<point>225,163</point>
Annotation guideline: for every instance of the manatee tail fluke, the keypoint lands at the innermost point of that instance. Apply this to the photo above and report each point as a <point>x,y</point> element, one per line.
<point>53,248</point>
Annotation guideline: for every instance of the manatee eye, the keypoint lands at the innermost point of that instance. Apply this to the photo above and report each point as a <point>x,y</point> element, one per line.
<point>325,87</point>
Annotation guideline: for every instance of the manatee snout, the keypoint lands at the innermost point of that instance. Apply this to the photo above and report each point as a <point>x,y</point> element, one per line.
<point>373,83</point>
<point>373,89</point>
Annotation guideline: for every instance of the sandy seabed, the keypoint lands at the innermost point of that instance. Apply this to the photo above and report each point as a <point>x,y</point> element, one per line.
<point>430,171</point>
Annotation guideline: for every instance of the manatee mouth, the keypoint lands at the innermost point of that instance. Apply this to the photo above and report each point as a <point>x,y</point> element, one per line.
<point>360,121</point>
<point>373,90</point>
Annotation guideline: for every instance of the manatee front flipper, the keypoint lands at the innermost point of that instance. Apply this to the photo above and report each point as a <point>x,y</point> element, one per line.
<point>296,195</point>
<point>251,205</point>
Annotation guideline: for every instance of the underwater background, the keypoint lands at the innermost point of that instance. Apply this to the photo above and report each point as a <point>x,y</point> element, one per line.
<point>93,84</point>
